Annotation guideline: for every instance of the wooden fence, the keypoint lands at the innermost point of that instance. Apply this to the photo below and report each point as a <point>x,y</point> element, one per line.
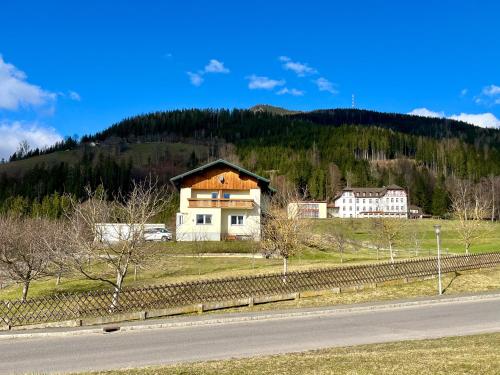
<point>93,304</point>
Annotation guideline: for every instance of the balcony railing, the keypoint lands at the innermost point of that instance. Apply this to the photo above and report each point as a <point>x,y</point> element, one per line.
<point>221,203</point>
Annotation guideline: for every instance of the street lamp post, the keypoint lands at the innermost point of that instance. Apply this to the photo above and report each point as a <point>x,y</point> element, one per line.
<point>437,229</point>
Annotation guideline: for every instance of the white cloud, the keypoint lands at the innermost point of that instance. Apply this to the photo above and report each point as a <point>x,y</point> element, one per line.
<point>424,112</point>
<point>195,78</point>
<point>16,92</point>
<point>464,92</point>
<point>293,92</point>
<point>264,83</point>
<point>325,85</point>
<point>301,69</point>
<point>12,133</point>
<point>483,120</point>
<point>73,95</point>
<point>489,96</point>
<point>215,66</point>
<point>491,90</point>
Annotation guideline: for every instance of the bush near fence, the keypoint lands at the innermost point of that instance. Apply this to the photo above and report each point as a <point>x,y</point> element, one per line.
<point>69,306</point>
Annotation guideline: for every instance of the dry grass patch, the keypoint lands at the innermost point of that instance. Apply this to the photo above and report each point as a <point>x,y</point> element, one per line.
<point>455,283</point>
<point>479,354</point>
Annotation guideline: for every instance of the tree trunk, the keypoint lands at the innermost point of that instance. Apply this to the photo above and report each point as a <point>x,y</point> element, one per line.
<point>492,199</point>
<point>58,278</point>
<point>390,250</point>
<point>118,288</point>
<point>26,286</point>
<point>285,268</point>
<point>467,247</point>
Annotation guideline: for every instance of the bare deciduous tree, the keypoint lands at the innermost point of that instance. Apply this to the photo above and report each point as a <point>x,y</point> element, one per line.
<point>283,232</point>
<point>494,184</point>
<point>388,231</point>
<point>415,239</point>
<point>339,242</point>
<point>27,248</point>
<point>95,253</point>
<point>470,205</point>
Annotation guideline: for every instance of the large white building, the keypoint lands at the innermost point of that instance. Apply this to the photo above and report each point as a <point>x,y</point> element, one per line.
<point>388,201</point>
<point>219,201</point>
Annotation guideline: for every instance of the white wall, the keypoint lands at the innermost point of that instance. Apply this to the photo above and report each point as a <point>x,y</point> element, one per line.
<point>394,204</point>
<point>190,231</point>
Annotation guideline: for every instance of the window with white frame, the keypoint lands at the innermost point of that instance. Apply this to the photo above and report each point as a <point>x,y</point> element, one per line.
<point>236,219</point>
<point>202,219</point>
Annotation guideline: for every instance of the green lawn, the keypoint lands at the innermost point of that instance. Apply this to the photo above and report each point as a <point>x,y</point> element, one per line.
<point>478,354</point>
<point>166,268</point>
<point>360,230</point>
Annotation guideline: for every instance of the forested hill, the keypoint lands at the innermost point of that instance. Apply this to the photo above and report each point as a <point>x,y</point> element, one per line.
<point>320,150</point>
<point>222,122</point>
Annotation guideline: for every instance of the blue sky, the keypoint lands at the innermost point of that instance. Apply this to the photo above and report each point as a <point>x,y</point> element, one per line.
<point>69,68</point>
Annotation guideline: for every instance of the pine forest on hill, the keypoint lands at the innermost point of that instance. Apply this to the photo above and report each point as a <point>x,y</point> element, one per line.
<point>319,152</point>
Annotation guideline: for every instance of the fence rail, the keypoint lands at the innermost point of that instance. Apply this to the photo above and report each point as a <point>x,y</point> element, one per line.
<point>100,303</point>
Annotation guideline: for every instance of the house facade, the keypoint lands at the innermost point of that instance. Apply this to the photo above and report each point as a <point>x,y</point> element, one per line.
<point>219,201</point>
<point>388,201</point>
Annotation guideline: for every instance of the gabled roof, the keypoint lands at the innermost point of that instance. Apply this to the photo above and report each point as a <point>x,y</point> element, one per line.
<point>263,181</point>
<point>374,190</point>
<point>394,187</point>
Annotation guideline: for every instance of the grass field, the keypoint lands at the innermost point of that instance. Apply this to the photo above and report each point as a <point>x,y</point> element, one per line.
<point>140,153</point>
<point>166,267</point>
<point>359,230</point>
<point>478,354</point>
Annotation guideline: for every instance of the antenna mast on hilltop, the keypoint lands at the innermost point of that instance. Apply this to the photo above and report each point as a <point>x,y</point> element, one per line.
<point>353,102</point>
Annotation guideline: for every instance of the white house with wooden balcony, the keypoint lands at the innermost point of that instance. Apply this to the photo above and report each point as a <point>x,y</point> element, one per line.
<point>219,201</point>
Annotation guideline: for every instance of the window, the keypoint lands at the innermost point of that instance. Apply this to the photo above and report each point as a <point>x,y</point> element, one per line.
<point>236,219</point>
<point>309,210</point>
<point>203,219</point>
<point>215,195</point>
<point>180,219</point>
<point>227,195</point>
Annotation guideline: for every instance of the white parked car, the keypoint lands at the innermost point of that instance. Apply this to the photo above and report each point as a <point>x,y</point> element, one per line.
<point>157,234</point>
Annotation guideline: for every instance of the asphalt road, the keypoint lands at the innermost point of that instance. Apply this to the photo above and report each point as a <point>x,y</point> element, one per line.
<point>249,338</point>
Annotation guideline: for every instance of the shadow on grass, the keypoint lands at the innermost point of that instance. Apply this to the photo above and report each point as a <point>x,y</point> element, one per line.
<point>451,281</point>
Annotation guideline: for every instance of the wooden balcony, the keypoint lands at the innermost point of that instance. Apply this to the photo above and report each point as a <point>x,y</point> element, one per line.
<point>221,203</point>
